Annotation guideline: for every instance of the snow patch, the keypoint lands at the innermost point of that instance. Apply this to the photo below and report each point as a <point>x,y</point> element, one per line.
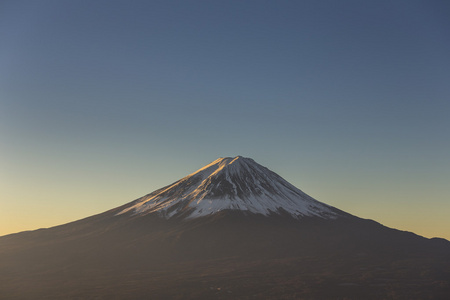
<point>230,184</point>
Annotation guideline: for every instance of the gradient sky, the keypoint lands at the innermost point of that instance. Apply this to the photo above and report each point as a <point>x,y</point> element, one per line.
<point>102,102</point>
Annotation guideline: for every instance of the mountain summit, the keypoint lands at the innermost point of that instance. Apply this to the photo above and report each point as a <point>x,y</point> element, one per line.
<point>231,183</point>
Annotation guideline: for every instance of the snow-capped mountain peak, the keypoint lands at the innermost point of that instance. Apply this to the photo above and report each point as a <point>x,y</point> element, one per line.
<point>230,183</point>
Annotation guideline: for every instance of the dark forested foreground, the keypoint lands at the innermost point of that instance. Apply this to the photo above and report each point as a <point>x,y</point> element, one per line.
<point>295,278</point>
<point>230,256</point>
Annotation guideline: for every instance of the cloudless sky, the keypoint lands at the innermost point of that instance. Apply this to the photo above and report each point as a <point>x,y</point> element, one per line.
<point>102,102</point>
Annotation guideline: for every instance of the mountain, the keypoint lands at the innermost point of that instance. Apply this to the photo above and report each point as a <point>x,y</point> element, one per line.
<point>231,230</point>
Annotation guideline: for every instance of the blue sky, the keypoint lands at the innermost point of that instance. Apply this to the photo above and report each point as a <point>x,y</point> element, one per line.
<point>104,101</point>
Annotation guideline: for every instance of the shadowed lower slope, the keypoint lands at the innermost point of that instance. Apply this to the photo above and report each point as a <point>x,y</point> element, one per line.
<point>230,255</point>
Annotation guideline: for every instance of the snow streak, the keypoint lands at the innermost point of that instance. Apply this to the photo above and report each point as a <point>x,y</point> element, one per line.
<point>228,183</point>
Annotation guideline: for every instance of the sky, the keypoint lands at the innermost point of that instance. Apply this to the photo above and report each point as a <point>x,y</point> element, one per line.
<point>102,102</point>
